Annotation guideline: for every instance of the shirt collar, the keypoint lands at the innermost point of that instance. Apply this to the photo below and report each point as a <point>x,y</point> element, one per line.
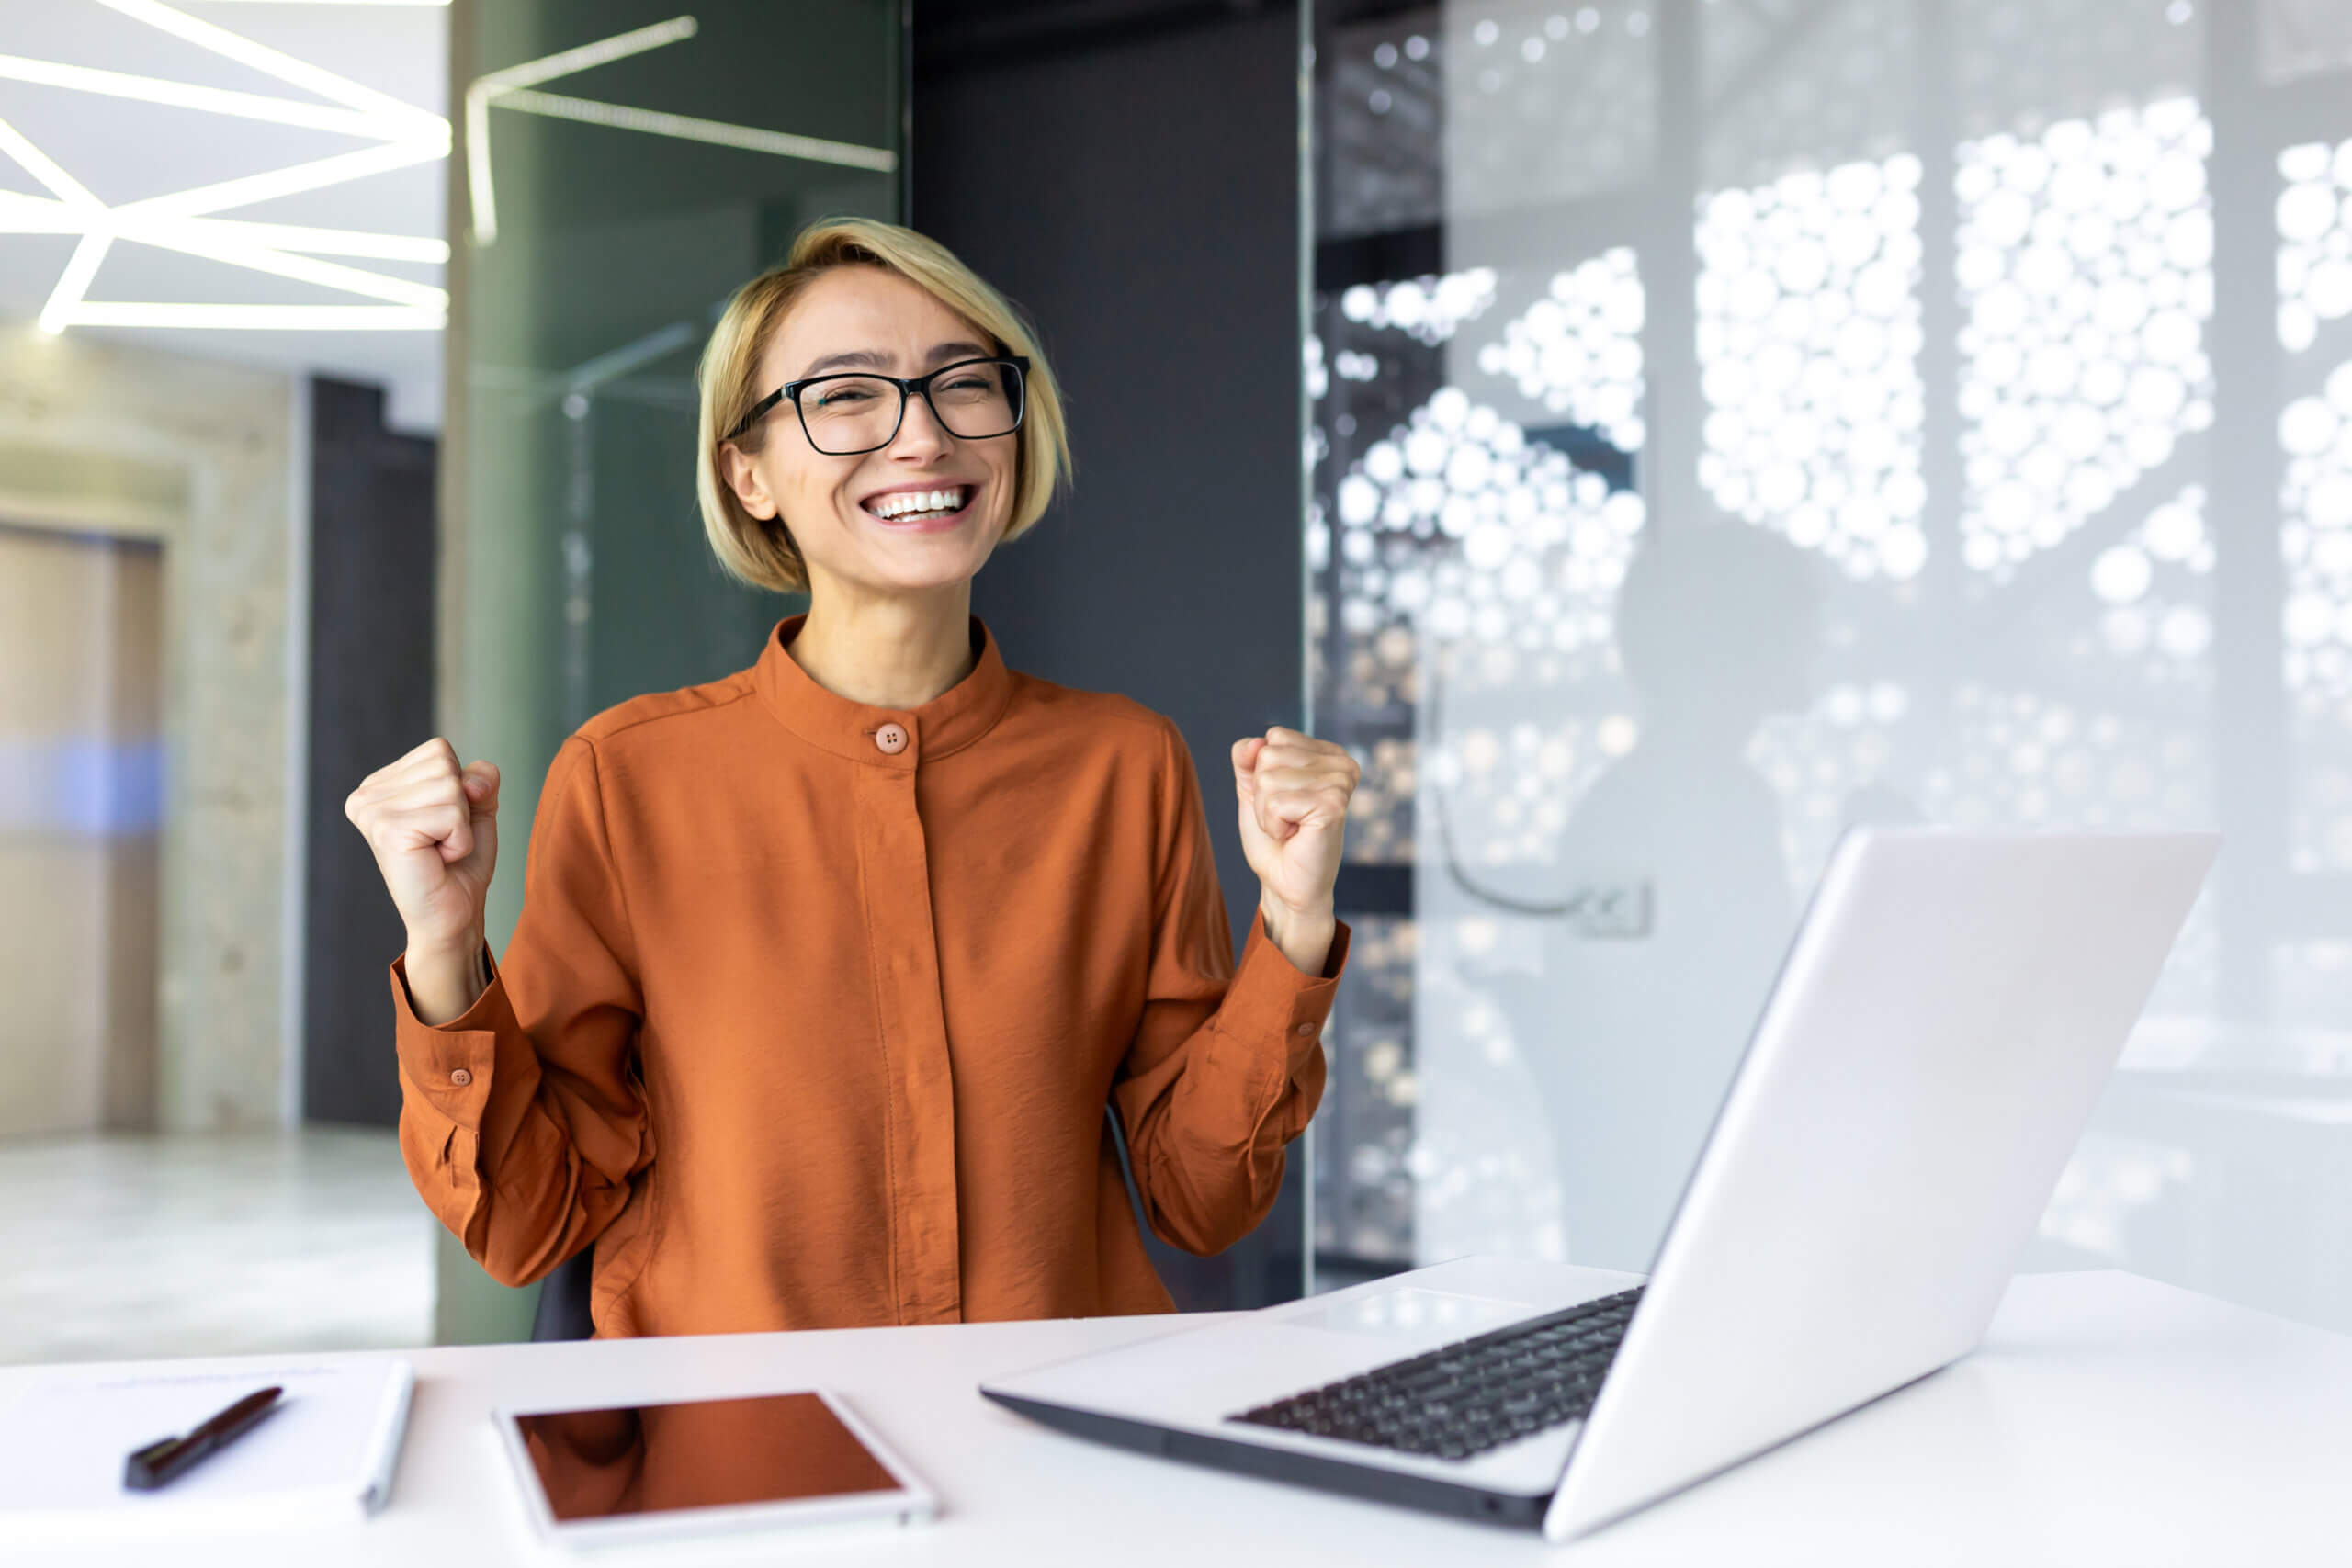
<point>949,722</point>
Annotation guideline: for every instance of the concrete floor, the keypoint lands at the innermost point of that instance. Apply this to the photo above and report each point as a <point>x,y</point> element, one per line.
<point>124,1247</point>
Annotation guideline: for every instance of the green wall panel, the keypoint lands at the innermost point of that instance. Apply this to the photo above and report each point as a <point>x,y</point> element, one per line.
<point>576,572</point>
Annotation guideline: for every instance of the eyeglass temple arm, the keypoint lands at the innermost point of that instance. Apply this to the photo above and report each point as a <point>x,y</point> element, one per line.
<point>752,416</point>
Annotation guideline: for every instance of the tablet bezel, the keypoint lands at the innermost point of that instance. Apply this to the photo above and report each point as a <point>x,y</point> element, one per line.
<point>911,1503</point>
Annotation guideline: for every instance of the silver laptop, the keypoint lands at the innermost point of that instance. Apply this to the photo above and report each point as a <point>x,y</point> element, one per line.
<point>1943,1024</point>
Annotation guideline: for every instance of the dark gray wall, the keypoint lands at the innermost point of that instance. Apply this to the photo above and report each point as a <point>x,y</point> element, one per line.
<point>371,699</point>
<point>1138,198</point>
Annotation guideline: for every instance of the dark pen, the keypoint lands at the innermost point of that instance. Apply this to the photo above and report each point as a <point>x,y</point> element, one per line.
<point>159,1462</point>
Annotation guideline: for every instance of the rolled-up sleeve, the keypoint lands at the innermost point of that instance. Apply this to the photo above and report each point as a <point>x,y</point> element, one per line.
<point>522,1122</point>
<point>1226,1066</point>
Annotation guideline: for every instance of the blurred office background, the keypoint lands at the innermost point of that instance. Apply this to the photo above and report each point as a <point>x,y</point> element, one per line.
<point>1654,434</point>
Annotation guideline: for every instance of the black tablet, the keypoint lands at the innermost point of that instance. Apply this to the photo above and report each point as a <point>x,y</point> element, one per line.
<point>648,1473</point>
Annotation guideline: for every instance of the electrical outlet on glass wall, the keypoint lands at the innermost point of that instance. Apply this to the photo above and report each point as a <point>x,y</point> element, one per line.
<point>1610,911</point>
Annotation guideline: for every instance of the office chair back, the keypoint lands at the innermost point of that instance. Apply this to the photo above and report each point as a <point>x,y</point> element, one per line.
<point>563,1301</point>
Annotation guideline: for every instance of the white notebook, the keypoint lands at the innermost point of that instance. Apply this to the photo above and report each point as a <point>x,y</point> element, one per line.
<point>327,1453</point>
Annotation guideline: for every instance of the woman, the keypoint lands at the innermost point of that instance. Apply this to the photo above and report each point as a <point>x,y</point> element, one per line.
<point>826,971</point>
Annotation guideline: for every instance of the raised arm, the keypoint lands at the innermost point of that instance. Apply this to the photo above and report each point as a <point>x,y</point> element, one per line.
<point>1227,1066</point>
<point>522,1113</point>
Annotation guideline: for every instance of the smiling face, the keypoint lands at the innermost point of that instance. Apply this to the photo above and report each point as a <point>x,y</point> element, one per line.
<point>921,512</point>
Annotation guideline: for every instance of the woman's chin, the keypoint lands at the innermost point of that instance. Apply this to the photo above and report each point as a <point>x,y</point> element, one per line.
<point>932,556</point>
<point>920,570</point>
<point>881,559</point>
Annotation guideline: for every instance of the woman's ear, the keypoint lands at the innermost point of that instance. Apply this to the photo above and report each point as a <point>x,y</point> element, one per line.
<point>743,478</point>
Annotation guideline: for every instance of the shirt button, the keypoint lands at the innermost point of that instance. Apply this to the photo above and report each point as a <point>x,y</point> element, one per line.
<point>460,1077</point>
<point>891,740</point>
<point>1303,1030</point>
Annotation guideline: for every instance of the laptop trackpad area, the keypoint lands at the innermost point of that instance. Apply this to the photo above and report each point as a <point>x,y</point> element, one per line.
<point>1412,1313</point>
<point>1205,1375</point>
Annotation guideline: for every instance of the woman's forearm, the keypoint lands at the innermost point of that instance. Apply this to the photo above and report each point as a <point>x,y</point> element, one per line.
<point>443,982</point>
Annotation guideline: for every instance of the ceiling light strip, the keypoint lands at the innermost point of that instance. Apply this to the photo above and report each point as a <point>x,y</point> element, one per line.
<point>295,73</point>
<point>177,234</point>
<point>480,192</point>
<point>21,214</point>
<point>39,164</point>
<point>290,181</point>
<point>604,52</point>
<point>716,132</point>
<point>327,242</point>
<point>211,100</point>
<point>66,297</point>
<point>260,318</point>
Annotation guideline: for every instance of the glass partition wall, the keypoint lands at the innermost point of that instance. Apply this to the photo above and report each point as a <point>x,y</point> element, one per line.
<point>1734,420</point>
<point>623,165</point>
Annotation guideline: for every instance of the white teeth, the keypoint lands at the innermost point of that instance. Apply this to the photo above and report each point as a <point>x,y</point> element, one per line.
<point>906,502</point>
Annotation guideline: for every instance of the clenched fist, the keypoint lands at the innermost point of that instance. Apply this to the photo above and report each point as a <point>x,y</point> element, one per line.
<point>1293,793</point>
<point>434,829</point>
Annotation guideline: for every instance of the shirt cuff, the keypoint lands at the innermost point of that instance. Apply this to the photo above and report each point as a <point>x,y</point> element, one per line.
<point>1270,995</point>
<point>449,1065</point>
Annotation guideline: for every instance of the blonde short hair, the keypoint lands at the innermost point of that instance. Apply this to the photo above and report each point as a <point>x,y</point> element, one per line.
<point>762,553</point>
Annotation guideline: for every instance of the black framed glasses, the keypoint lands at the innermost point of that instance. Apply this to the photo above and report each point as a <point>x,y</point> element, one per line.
<point>861,412</point>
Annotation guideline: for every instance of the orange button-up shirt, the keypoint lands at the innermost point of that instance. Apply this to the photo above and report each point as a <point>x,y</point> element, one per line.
<point>814,1009</point>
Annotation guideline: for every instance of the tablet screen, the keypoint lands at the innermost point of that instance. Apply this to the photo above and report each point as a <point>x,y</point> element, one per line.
<point>786,1448</point>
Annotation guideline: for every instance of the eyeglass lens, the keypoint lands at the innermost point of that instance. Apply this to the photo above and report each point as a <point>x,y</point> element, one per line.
<point>859,413</point>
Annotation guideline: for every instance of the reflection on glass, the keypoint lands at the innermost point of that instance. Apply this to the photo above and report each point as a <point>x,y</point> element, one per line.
<point>706,1455</point>
<point>1363,1179</point>
<point>2314,216</point>
<point>1734,422</point>
<point>599,246</point>
<point>1809,340</point>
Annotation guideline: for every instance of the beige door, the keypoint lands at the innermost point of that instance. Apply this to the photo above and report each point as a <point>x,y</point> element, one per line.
<point>81,778</point>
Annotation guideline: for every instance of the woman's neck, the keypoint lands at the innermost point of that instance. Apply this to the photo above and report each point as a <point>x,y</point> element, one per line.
<point>895,652</point>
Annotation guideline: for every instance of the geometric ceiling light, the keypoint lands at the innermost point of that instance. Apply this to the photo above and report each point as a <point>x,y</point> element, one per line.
<point>405,136</point>
<point>185,220</point>
<point>515,88</point>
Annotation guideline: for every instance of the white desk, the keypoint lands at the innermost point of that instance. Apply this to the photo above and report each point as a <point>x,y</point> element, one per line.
<point>2108,1420</point>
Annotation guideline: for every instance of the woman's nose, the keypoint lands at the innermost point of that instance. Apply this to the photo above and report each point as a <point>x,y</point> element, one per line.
<point>920,427</point>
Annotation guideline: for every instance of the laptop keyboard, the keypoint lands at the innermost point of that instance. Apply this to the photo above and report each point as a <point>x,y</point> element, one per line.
<point>1463,1399</point>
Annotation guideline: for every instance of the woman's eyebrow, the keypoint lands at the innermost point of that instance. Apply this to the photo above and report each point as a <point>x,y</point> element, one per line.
<point>867,359</point>
<point>857,359</point>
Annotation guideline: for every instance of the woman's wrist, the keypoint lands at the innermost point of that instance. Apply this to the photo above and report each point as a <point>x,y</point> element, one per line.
<point>445,977</point>
<point>1303,935</point>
